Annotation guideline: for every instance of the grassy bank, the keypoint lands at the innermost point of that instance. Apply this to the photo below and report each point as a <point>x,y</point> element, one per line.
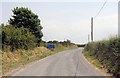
<point>105,54</point>
<point>92,59</point>
<point>0,62</point>
<point>19,58</point>
<point>95,62</point>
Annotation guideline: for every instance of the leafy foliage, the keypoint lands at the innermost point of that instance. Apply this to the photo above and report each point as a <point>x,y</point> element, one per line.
<point>17,38</point>
<point>23,17</point>
<point>108,54</point>
<point>66,43</point>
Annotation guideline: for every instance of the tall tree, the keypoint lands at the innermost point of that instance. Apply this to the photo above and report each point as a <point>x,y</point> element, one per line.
<point>23,17</point>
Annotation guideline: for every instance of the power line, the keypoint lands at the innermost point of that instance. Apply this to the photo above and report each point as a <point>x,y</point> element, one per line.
<point>92,34</point>
<point>101,9</point>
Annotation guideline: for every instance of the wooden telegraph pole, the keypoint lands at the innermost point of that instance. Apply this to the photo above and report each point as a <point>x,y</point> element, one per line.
<point>92,29</point>
<point>88,38</point>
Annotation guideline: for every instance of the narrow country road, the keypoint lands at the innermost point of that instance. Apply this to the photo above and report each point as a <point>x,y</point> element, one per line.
<point>67,63</point>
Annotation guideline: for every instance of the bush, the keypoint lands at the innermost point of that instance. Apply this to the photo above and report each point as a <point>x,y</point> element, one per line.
<point>108,54</point>
<point>17,38</point>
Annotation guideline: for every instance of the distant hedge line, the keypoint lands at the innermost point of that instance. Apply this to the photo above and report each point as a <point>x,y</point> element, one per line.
<point>108,54</point>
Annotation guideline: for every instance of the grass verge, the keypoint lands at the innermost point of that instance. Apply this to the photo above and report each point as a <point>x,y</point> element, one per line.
<point>0,62</point>
<point>92,59</point>
<point>95,62</point>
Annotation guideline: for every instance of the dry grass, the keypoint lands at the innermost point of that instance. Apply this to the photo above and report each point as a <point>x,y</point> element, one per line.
<point>15,59</point>
<point>12,60</point>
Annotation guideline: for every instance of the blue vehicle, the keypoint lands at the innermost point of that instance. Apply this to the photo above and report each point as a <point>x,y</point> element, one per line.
<point>51,46</point>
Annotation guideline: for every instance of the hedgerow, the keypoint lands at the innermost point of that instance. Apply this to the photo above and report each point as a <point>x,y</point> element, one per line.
<point>17,38</point>
<point>108,54</point>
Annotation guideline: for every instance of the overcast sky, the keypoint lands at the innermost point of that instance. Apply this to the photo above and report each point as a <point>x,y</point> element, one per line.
<point>70,20</point>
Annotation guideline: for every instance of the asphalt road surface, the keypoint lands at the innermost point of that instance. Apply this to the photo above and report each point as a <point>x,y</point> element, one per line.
<point>66,63</point>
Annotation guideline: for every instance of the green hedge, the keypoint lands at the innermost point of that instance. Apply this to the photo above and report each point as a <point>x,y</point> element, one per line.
<point>108,54</point>
<point>17,38</point>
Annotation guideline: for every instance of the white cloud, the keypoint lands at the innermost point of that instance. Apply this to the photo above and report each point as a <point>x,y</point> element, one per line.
<point>68,23</point>
<point>77,31</point>
<point>59,1</point>
<point>105,26</point>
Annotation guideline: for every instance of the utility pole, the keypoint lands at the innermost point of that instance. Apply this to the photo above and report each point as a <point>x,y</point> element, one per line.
<point>119,19</point>
<point>88,38</point>
<point>92,29</point>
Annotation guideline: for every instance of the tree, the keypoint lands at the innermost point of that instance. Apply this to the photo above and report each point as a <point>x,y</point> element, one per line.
<point>23,17</point>
<point>68,42</point>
